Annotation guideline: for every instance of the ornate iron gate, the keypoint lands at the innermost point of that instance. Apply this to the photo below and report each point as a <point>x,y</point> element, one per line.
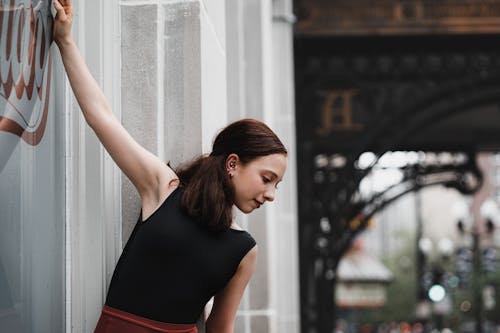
<point>379,94</point>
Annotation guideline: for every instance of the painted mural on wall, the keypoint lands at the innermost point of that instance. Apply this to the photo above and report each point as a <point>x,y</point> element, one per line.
<point>32,178</point>
<point>25,72</point>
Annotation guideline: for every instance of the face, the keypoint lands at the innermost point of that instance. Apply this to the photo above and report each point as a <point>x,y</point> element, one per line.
<point>255,182</point>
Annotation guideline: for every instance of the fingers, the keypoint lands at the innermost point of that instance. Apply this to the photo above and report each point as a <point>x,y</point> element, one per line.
<point>63,8</point>
<point>66,3</point>
<point>61,14</point>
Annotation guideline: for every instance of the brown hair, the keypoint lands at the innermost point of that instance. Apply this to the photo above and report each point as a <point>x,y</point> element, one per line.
<point>208,195</point>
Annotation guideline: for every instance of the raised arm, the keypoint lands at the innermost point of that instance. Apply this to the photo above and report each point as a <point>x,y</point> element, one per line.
<point>221,318</point>
<point>147,172</point>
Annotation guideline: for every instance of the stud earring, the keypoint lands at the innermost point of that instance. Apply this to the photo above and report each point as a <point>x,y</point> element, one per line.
<point>232,164</point>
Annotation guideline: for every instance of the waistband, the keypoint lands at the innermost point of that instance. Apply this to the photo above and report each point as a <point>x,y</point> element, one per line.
<point>154,325</point>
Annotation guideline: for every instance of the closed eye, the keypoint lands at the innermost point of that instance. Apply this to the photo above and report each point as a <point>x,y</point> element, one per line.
<point>266,180</point>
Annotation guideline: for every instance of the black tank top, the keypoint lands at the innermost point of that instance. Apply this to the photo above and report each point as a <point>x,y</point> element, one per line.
<point>171,265</point>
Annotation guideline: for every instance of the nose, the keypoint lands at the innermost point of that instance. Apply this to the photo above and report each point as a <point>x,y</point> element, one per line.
<point>269,194</point>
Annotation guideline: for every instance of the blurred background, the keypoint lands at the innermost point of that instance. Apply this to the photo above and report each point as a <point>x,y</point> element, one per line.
<point>397,134</point>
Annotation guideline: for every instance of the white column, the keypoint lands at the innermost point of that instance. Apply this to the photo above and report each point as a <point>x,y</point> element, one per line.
<point>249,87</point>
<point>173,81</point>
<point>285,236</point>
<point>92,189</point>
<point>260,85</point>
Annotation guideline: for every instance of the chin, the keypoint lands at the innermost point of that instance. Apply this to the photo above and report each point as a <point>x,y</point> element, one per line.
<point>245,210</point>
<point>248,210</point>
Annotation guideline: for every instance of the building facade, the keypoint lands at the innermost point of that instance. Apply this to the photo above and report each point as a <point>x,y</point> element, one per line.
<point>175,72</point>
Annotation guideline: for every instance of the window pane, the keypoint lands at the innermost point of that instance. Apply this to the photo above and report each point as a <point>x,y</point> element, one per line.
<point>31,174</point>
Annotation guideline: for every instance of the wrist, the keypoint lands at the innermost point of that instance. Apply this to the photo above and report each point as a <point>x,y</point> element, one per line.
<point>65,42</point>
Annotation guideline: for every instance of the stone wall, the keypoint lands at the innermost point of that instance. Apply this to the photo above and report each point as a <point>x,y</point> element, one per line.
<point>190,67</point>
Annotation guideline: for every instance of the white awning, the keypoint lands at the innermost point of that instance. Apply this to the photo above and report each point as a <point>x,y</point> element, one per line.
<point>358,266</point>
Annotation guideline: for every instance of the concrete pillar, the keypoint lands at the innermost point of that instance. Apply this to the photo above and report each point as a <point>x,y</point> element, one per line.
<point>173,81</point>
<point>260,85</point>
<point>285,236</point>
<point>140,91</point>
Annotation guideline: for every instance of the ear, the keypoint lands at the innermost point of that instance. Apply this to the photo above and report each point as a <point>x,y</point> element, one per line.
<point>232,162</point>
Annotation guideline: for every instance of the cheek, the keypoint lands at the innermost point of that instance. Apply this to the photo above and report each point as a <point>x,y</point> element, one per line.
<point>241,187</point>
<point>246,188</point>
<point>247,180</point>
<point>255,184</point>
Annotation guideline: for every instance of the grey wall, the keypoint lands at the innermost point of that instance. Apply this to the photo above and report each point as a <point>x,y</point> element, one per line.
<point>190,67</point>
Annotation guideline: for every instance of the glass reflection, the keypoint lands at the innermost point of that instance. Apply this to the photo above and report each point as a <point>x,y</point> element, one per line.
<point>25,37</point>
<point>31,174</point>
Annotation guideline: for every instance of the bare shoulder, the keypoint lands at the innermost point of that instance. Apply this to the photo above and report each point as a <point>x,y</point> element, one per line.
<point>167,178</point>
<point>248,262</point>
<point>167,182</point>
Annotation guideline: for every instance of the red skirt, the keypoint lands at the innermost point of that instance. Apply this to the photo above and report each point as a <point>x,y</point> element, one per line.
<point>116,321</point>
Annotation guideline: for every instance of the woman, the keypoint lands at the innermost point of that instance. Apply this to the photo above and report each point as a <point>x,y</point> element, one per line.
<point>185,247</point>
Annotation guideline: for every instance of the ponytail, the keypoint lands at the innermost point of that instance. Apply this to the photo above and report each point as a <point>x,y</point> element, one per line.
<point>207,193</point>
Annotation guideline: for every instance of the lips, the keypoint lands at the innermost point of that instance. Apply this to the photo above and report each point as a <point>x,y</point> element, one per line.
<point>258,203</point>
